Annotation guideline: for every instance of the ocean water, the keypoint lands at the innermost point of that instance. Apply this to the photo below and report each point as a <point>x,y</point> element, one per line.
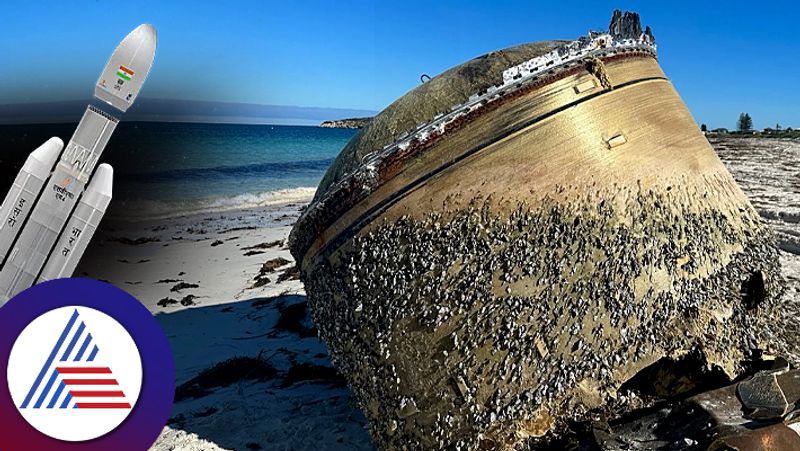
<point>170,169</point>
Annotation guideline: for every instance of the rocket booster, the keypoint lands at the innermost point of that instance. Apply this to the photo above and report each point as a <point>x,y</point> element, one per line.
<point>81,226</point>
<point>26,188</point>
<point>56,203</point>
<point>34,243</point>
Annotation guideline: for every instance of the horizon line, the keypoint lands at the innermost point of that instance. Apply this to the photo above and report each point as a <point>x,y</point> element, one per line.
<point>288,123</point>
<point>156,109</point>
<point>169,99</point>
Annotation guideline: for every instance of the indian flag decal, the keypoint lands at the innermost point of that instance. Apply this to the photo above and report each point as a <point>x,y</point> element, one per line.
<point>124,73</point>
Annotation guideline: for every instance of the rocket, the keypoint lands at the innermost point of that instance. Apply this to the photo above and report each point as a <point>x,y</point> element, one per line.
<point>48,217</point>
<point>81,226</point>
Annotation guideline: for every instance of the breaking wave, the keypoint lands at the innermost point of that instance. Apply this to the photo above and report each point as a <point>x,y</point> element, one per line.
<point>157,209</point>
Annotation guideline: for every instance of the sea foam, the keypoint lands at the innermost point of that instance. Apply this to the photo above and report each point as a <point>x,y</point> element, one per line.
<point>158,209</point>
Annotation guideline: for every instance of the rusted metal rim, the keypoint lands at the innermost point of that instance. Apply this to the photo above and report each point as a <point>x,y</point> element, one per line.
<point>357,186</point>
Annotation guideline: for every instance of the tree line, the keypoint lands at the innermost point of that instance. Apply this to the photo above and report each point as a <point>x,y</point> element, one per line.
<point>744,125</point>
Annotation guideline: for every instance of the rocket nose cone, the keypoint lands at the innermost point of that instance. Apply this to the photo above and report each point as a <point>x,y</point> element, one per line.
<point>147,30</point>
<point>143,38</point>
<point>127,69</point>
<point>48,152</point>
<point>103,180</point>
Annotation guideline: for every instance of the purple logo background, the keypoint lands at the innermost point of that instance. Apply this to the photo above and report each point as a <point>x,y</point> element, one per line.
<point>143,426</point>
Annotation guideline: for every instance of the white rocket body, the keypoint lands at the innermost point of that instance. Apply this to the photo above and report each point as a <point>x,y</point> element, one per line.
<point>61,193</point>
<point>81,226</point>
<point>34,243</point>
<point>26,188</point>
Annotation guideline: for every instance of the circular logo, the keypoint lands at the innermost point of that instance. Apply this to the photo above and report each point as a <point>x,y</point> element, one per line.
<point>87,366</point>
<point>74,373</point>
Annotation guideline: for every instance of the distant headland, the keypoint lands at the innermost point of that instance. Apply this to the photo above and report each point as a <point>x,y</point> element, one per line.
<point>354,122</point>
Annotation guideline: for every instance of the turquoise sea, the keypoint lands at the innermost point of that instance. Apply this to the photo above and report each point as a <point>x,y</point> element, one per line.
<point>165,169</point>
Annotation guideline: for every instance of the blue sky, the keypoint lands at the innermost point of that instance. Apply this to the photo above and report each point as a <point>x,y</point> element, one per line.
<point>723,57</point>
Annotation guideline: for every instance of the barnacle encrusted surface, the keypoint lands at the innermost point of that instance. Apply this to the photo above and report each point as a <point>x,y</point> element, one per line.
<point>505,274</point>
<point>491,322</point>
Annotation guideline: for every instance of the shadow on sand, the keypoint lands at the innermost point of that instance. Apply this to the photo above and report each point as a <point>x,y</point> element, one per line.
<point>253,375</point>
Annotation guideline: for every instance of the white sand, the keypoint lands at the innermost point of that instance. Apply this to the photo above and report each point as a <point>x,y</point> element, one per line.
<point>230,318</point>
<point>183,252</point>
<point>768,172</point>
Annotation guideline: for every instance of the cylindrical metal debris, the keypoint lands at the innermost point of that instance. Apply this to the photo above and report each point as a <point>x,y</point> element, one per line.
<point>505,245</point>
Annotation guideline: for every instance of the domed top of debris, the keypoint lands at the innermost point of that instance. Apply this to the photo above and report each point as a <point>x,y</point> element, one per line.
<point>421,104</point>
<point>453,87</point>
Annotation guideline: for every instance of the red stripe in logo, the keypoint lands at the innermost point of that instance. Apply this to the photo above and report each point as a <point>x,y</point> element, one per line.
<point>87,370</point>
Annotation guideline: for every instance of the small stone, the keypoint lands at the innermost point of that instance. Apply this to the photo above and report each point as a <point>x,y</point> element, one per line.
<point>763,397</point>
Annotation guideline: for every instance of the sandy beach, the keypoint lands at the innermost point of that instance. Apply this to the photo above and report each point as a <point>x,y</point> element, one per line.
<point>198,260</point>
<point>251,372</point>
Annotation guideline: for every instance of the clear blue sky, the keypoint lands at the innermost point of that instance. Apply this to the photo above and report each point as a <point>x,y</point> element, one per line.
<point>723,57</point>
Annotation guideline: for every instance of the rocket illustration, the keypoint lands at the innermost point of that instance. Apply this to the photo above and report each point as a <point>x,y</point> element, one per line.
<point>81,226</point>
<point>47,216</point>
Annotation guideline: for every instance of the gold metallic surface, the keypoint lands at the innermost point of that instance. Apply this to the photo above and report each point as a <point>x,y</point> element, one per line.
<point>663,146</point>
<point>484,131</point>
<point>512,276</point>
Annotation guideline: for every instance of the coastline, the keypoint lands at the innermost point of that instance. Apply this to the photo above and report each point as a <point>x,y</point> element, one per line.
<point>153,211</point>
<point>220,252</point>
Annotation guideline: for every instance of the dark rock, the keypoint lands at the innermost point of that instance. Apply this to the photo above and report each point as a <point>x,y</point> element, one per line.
<point>166,302</point>
<point>776,437</point>
<point>712,420</point>
<point>188,300</point>
<point>271,265</point>
<point>292,273</point>
<point>260,281</point>
<point>266,245</point>
<point>182,286</point>
<point>136,242</point>
<point>762,397</point>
